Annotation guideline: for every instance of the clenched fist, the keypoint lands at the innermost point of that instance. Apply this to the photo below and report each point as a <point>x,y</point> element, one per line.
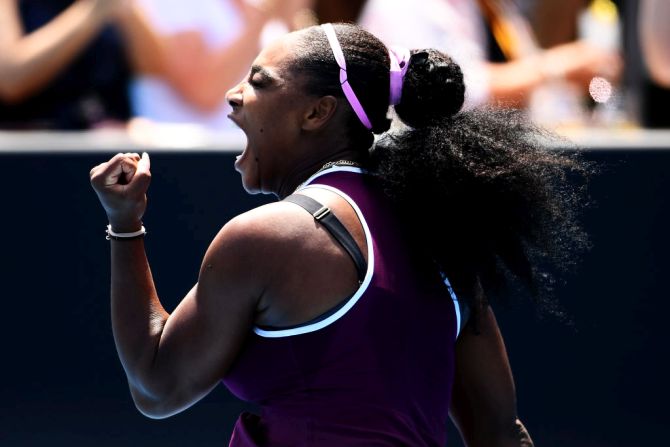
<point>121,185</point>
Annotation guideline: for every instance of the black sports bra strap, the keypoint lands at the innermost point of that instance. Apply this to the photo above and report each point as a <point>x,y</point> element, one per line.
<point>325,217</point>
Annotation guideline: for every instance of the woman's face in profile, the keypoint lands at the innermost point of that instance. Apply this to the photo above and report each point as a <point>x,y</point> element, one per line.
<point>268,106</point>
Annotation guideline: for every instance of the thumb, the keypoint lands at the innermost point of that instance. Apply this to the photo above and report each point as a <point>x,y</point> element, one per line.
<point>142,176</point>
<point>144,165</point>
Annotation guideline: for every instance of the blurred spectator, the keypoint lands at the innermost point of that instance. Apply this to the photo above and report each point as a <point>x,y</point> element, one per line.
<point>649,100</point>
<point>61,67</point>
<point>207,47</point>
<point>555,21</point>
<point>493,43</point>
<point>451,26</point>
<point>654,26</point>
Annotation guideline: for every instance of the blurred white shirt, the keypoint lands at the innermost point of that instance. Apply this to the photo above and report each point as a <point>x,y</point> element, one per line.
<point>454,27</point>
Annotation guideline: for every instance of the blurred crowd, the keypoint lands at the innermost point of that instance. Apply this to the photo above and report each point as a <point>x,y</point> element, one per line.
<point>82,64</point>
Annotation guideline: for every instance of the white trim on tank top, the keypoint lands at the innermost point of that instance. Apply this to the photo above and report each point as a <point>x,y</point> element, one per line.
<point>278,333</point>
<point>457,306</point>
<point>368,276</point>
<point>333,169</point>
<point>454,298</point>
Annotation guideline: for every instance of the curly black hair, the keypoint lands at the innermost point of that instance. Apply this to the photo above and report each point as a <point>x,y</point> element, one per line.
<point>490,200</point>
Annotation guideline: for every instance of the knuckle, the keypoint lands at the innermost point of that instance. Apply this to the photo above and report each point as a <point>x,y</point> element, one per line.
<point>143,175</point>
<point>95,175</point>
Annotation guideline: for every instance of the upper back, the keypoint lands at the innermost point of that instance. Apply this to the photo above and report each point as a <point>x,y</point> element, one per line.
<point>379,363</point>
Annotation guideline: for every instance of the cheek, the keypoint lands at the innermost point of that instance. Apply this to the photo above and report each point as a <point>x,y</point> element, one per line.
<point>275,133</point>
<point>275,126</point>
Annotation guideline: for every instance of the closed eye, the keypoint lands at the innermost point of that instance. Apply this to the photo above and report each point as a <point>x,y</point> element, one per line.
<point>259,77</point>
<point>256,81</point>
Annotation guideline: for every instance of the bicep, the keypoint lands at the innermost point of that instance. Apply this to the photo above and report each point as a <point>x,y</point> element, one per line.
<point>204,334</point>
<point>483,403</point>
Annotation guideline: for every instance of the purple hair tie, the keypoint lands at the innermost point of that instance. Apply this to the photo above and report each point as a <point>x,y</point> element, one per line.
<point>399,63</point>
<point>346,87</point>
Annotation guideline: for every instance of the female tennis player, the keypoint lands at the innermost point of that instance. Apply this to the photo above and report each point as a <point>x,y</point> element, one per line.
<point>355,310</point>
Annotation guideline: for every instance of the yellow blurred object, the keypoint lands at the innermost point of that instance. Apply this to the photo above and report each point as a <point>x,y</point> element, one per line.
<point>599,25</point>
<point>510,29</point>
<point>604,10</point>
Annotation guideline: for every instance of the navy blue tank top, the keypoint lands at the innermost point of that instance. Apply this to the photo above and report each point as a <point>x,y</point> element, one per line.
<point>376,372</point>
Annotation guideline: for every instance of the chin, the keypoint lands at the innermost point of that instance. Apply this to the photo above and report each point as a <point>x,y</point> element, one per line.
<point>252,190</point>
<point>251,187</point>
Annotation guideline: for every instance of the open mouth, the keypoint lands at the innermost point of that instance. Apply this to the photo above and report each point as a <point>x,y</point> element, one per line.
<point>241,158</point>
<point>231,117</point>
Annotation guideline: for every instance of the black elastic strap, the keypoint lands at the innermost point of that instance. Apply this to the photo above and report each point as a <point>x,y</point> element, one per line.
<point>325,217</point>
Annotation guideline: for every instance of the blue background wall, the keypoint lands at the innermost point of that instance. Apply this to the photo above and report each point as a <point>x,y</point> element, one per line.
<point>600,382</point>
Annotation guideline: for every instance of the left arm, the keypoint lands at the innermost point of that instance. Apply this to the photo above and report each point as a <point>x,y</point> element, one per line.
<point>483,404</point>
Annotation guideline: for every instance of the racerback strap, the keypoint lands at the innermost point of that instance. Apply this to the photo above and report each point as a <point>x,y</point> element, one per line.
<point>332,224</point>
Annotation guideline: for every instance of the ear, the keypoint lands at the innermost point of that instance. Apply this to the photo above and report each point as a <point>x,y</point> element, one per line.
<point>319,113</point>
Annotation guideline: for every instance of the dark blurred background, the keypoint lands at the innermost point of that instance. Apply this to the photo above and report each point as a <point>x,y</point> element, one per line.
<point>82,79</point>
<point>599,381</point>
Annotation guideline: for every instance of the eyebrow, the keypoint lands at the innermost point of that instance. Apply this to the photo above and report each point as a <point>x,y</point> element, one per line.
<point>258,69</point>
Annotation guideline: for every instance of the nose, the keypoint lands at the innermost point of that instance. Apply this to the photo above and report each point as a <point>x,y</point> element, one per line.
<point>234,96</point>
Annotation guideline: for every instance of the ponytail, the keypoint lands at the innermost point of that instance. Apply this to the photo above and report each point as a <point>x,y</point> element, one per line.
<point>480,192</point>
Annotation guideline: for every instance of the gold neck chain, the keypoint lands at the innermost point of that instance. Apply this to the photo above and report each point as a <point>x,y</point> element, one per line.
<point>329,165</point>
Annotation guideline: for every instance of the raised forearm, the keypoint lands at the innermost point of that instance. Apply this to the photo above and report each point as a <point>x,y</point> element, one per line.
<point>158,366</point>
<point>32,61</point>
<point>138,317</point>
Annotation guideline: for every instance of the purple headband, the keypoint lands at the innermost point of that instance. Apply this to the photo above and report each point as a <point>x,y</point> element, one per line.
<point>346,87</point>
<point>399,63</point>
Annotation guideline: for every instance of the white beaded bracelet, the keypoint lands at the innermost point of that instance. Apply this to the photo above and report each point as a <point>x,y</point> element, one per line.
<point>125,236</point>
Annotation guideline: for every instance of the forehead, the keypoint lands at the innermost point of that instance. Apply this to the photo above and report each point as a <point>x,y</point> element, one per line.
<point>276,56</point>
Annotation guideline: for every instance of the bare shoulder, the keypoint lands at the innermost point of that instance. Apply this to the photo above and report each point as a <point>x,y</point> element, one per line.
<point>263,227</point>
<point>255,240</point>
<point>281,255</point>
